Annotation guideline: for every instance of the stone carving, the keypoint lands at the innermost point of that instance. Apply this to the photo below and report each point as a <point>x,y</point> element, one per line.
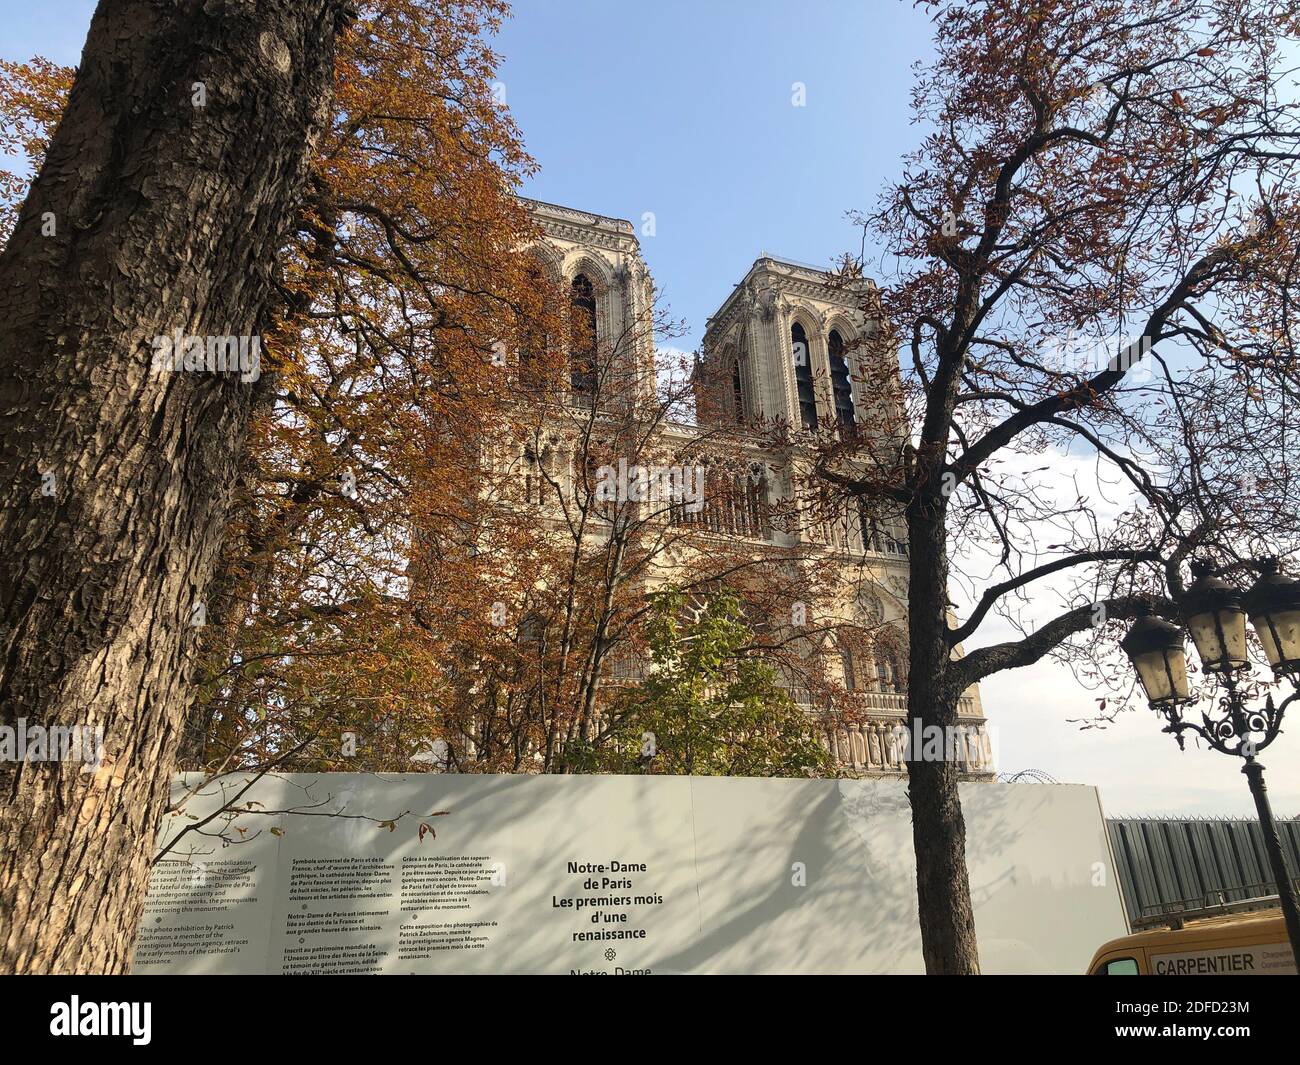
<point>870,609</point>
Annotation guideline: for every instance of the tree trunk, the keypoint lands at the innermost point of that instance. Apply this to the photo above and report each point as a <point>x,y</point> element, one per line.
<point>938,828</point>
<point>166,193</point>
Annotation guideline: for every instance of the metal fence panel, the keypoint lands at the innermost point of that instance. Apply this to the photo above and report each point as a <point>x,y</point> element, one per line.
<point>1160,861</point>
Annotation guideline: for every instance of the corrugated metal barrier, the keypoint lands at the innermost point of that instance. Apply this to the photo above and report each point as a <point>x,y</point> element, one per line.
<point>1164,861</point>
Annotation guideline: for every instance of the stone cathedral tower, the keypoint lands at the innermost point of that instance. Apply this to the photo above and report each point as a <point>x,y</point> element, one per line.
<point>786,344</point>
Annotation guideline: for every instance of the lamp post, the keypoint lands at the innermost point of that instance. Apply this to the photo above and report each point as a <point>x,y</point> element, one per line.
<point>1215,614</point>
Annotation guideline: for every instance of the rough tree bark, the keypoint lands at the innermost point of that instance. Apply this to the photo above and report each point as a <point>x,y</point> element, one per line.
<point>938,829</point>
<point>169,184</point>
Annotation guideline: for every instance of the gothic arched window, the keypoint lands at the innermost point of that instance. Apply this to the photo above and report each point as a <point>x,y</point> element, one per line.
<point>891,674</point>
<point>840,383</point>
<point>582,326</point>
<point>846,664</point>
<point>534,322</point>
<point>738,388</point>
<point>803,376</point>
<point>532,342</point>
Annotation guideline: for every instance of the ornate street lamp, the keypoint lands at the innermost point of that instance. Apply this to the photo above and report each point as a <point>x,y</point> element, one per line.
<point>1155,647</point>
<point>1274,608</point>
<point>1211,610</point>
<point>1215,612</point>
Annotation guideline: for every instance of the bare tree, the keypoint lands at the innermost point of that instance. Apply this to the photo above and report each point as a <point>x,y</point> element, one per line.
<point>1093,252</point>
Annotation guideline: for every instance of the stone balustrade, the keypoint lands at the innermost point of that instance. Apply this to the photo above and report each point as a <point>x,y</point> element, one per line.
<point>876,746</point>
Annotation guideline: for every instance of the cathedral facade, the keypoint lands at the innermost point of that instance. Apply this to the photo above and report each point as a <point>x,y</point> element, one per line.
<point>783,358</point>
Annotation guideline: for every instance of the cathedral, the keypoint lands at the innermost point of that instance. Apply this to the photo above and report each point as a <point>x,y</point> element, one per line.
<point>786,347</point>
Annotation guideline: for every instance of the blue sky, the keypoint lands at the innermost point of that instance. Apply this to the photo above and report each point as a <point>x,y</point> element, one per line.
<point>684,110</point>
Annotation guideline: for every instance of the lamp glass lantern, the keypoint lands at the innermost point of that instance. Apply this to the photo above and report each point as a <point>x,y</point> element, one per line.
<point>1155,647</point>
<point>1212,611</point>
<point>1273,604</point>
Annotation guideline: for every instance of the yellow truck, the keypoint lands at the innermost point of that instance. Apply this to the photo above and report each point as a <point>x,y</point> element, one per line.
<point>1245,938</point>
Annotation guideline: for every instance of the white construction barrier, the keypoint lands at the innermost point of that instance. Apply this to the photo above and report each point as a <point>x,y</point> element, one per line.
<point>372,873</point>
